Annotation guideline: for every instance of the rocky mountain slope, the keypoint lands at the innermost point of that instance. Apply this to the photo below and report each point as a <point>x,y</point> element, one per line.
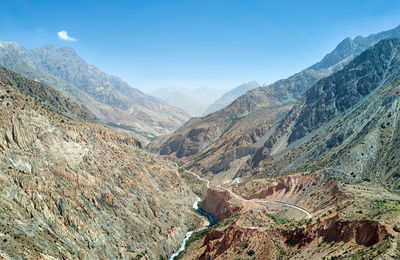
<point>230,96</point>
<point>108,98</point>
<point>44,95</point>
<point>255,114</point>
<point>73,189</point>
<point>347,123</point>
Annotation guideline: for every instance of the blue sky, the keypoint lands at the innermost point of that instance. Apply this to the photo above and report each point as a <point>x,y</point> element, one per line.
<point>194,43</point>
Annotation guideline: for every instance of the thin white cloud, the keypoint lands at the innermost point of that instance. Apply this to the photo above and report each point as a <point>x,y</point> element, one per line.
<point>63,35</point>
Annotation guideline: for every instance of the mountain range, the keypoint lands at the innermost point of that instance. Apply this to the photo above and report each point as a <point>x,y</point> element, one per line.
<point>223,140</point>
<point>202,101</point>
<point>355,109</point>
<point>109,99</point>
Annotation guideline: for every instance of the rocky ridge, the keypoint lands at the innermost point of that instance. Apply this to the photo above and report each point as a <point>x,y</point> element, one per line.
<point>44,95</point>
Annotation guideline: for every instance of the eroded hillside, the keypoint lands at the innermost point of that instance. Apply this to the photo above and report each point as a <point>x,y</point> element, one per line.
<point>74,189</point>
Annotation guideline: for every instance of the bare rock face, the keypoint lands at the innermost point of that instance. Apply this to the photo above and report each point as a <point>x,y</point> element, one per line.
<point>217,204</point>
<point>73,189</point>
<point>44,95</point>
<point>312,191</point>
<point>363,232</point>
<point>234,241</point>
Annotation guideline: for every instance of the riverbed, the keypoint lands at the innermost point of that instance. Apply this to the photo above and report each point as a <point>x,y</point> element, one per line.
<point>189,233</point>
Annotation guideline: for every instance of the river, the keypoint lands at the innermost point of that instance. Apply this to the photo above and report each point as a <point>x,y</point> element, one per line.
<point>189,233</point>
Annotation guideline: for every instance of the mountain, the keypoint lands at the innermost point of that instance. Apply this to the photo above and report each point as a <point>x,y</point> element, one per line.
<point>193,101</point>
<point>110,100</point>
<point>325,181</point>
<point>221,142</point>
<point>44,95</point>
<point>73,189</point>
<point>230,96</point>
<point>347,123</point>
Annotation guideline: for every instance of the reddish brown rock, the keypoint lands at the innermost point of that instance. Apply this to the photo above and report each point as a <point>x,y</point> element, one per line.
<point>312,191</point>
<point>363,232</point>
<point>234,241</point>
<point>217,204</point>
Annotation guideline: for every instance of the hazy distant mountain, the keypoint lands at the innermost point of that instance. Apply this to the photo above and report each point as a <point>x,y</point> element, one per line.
<point>230,96</point>
<point>111,100</point>
<point>193,101</point>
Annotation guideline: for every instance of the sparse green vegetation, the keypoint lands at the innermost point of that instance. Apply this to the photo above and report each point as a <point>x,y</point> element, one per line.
<point>392,206</point>
<point>279,220</point>
<point>198,235</point>
<point>138,256</point>
<point>251,252</point>
<point>396,228</point>
<point>367,179</point>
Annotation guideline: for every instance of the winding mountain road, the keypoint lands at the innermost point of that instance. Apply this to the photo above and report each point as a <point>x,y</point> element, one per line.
<point>306,212</point>
<point>200,178</point>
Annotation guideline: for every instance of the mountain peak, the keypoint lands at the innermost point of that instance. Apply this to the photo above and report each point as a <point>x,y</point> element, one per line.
<point>15,46</point>
<point>64,51</point>
<point>48,46</point>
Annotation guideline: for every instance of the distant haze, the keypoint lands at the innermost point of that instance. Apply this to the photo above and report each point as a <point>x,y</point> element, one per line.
<point>230,96</point>
<point>193,101</point>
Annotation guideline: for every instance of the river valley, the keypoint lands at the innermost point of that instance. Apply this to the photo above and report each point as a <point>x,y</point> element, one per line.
<point>189,233</point>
